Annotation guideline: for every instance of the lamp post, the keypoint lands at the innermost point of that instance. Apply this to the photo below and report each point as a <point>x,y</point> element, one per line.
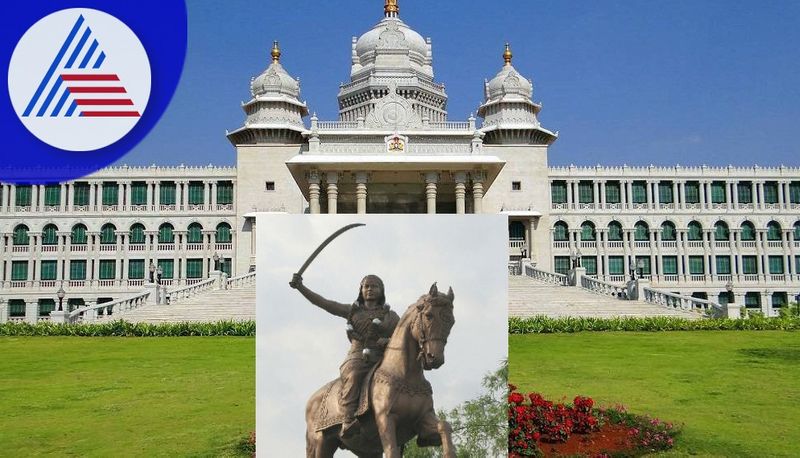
<point>61,293</point>
<point>152,272</point>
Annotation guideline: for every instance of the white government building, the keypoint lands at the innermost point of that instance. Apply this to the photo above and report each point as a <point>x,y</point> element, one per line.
<point>689,230</point>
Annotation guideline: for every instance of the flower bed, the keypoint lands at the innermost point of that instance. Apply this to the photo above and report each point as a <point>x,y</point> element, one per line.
<point>538,427</point>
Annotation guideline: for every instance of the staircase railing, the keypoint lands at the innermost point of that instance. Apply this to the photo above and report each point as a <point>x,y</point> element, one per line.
<point>177,295</point>
<point>242,280</point>
<point>678,301</point>
<point>545,276</point>
<point>604,288</point>
<point>91,312</point>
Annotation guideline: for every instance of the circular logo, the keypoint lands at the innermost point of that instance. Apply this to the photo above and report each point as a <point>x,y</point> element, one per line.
<point>79,79</point>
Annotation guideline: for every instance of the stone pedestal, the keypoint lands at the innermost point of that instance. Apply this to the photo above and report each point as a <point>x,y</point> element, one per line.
<point>575,276</point>
<point>59,317</point>
<point>640,285</point>
<point>216,275</point>
<point>3,311</point>
<point>32,312</point>
<point>733,310</point>
<point>152,299</point>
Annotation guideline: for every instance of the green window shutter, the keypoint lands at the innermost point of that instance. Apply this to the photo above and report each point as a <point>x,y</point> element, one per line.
<point>773,232</point>
<point>16,307</point>
<point>136,269</point>
<point>587,233</point>
<point>227,266</point>
<point>194,268</point>
<point>558,192</point>
<point>108,269</point>
<point>640,232</point>
<point>79,235</point>
<point>695,232</point>
<point>644,261</point>
<point>46,306</point>
<point>49,270</point>
<point>779,299</point>
<point>752,300</point>
<point>696,265</point>
<point>52,195</point>
<point>23,196</point>
<point>723,265</point>
<point>138,193</point>
<point>692,192</point>
<point>794,192</point>
<point>225,192</point>
<point>665,192</point>
<point>590,263</point>
<point>137,236</point>
<point>21,236</point>
<point>748,232</point>
<point>797,232</point>
<point>165,234</point>
<point>196,189</point>
<point>639,192</point>
<point>745,192</point>
<point>669,265</point>
<point>721,232</point>
<point>223,233</point>
<point>560,233</point>
<point>613,195</point>
<point>166,194</point>
<point>80,194</point>
<point>19,270</point>
<point>776,265</point>
<point>749,265</point>
<point>616,265</point>
<point>718,192</point>
<point>108,234</point>
<point>167,268</point>
<point>110,193</point>
<point>77,270</point>
<point>195,234</point>
<point>667,232</point>
<point>614,232</point>
<point>585,192</point>
<point>771,193</point>
<point>50,235</point>
<point>562,264</point>
<point>797,264</point>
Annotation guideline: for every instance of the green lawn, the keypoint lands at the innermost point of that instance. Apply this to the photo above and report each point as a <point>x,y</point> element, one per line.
<point>737,393</point>
<point>74,396</point>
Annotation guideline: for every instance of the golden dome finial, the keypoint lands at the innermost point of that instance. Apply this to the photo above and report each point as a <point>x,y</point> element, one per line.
<point>507,54</point>
<point>276,52</point>
<point>390,8</point>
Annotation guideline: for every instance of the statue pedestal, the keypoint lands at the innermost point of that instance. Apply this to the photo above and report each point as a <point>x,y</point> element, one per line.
<point>733,310</point>
<point>61,317</point>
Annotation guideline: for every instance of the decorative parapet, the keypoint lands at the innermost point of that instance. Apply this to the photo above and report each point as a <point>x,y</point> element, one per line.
<point>680,302</point>
<point>677,171</point>
<point>545,276</point>
<point>91,312</point>
<point>604,288</point>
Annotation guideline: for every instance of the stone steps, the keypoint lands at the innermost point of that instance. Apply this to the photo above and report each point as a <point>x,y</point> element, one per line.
<point>230,305</point>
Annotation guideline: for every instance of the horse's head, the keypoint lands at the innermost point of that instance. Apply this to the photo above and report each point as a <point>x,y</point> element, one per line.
<point>432,325</point>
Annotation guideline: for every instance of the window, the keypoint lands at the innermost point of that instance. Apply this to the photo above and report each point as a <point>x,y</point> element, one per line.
<point>779,299</point>
<point>516,186</point>
<point>588,233</point>
<point>669,265</point>
<point>616,265</point>
<point>744,189</point>
<point>52,195</point>
<point>668,231</point>
<point>167,268</point>
<point>46,306</point>
<point>665,192</point>
<point>137,236</point>
<point>562,265</point>
<point>136,269</point>
<point>138,193</point>
<point>166,193</point>
<point>776,265</point>
<point>50,235</point>
<point>797,231</point>
<point>585,192</point>
<point>269,186</point>
<point>558,192</point>
<point>78,236</point>
<point>225,192</point>
<point>195,234</point>
<point>590,263</point>
<point>23,198</point>
<point>748,231</point>
<point>695,231</point>
<point>21,235</point>
<point>797,264</point>
<point>560,232</point>
<point>223,233</point>
<point>227,266</point>
<point>718,194</point>
<point>639,192</point>
<point>752,300</point>
<point>696,266</point>
<point>108,234</point>
<point>165,234</point>
<point>794,192</point>
<point>49,269</point>
<point>641,232</point>
<point>77,270</point>
<point>770,192</point>
<point>110,193</point>
<point>75,303</point>
<point>644,262</point>
<point>16,307</point>
<point>613,194</point>
<point>614,231</point>
<point>723,265</point>
<point>516,231</point>
<point>749,265</point>
<point>196,190</point>
<point>194,268</point>
<point>692,192</point>
<point>721,231</point>
<point>773,231</point>
<point>19,270</point>
<point>108,269</point>
<point>80,194</point>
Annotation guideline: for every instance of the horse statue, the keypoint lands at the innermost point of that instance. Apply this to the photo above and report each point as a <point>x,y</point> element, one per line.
<point>396,400</point>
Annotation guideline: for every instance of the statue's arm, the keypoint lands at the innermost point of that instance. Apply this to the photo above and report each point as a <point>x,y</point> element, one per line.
<point>332,307</point>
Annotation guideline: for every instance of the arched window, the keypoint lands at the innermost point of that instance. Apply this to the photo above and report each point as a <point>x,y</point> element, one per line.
<point>773,231</point>
<point>223,233</point>
<point>641,231</point>
<point>165,234</point>
<point>516,230</point>
<point>21,235</point>
<point>78,235</point>
<point>195,234</point>
<point>695,231</point>
<point>668,231</point>
<point>50,235</point>
<point>614,231</point>
<point>797,231</point>
<point>108,234</point>
<point>588,233</point>
<point>137,234</point>
<point>721,232</point>
<point>748,231</point>
<point>561,232</point>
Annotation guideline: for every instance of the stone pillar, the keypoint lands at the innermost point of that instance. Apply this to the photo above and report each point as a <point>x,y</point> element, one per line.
<point>656,194</point>
<point>766,302</point>
<point>596,194</point>
<point>32,312</point>
<point>570,195</point>
<point>674,194</point>
<point>12,198</point>
<point>629,193</point>
<point>602,193</point>
<point>213,195</point>
<point>206,194</point>
<point>361,192</point>
<point>157,197</point>
<point>431,179</point>
<point>185,194</point>
<point>313,192</point>
<point>92,195</point>
<point>477,193</point>
<point>734,194</point>
<point>649,193</point>
<point>758,194</point>
<point>461,192</point>
<point>4,198</point>
<point>702,185</point>
<point>34,198</point>
<point>682,189</point>
<point>332,179</point>
<point>3,305</point>
<point>781,198</point>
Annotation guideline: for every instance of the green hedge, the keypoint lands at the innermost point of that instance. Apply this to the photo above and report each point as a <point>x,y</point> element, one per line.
<point>126,329</point>
<point>543,324</point>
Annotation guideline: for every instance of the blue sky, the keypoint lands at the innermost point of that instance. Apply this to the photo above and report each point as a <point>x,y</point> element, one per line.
<point>634,82</point>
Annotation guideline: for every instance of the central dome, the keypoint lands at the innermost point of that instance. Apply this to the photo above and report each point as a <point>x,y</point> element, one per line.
<point>391,35</point>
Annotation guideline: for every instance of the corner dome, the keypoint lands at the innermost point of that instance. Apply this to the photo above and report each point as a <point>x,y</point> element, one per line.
<point>509,84</point>
<point>275,80</point>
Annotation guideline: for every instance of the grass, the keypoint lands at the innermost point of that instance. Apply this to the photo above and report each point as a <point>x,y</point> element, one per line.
<point>73,396</point>
<point>735,392</point>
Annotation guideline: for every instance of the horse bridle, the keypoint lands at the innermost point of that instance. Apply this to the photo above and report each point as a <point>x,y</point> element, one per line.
<point>423,337</point>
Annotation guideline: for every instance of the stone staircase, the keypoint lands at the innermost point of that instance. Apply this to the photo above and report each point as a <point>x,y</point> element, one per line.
<point>529,297</point>
<point>235,304</point>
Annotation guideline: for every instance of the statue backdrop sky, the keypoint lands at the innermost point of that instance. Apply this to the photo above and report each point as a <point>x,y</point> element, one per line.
<point>300,347</point>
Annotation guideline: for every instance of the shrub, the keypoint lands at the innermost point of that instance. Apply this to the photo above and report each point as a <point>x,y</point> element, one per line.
<point>543,325</point>
<point>122,328</point>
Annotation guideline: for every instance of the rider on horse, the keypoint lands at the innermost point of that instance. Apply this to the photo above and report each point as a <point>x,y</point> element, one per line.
<point>370,324</point>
